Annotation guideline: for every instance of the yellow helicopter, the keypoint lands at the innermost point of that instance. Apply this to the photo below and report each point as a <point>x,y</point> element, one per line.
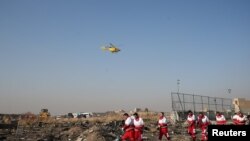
<point>112,48</point>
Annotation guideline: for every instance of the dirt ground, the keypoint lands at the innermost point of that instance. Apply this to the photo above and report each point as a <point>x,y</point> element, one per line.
<point>106,127</point>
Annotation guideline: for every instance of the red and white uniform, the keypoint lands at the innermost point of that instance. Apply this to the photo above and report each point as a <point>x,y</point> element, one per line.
<point>128,129</point>
<point>139,125</point>
<point>162,123</point>
<point>220,119</point>
<point>203,122</point>
<point>191,125</point>
<point>234,118</point>
<point>239,120</point>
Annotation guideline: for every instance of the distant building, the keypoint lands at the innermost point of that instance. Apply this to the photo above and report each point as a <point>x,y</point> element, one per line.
<point>241,104</point>
<point>119,111</point>
<point>80,115</point>
<point>137,110</point>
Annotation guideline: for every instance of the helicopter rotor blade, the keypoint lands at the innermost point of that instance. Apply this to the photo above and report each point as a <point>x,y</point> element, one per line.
<point>103,47</point>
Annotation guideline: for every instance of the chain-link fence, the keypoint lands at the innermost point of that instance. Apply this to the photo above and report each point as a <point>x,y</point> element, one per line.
<point>182,103</point>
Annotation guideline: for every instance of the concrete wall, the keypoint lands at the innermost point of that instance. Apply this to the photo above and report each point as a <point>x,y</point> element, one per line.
<point>241,104</point>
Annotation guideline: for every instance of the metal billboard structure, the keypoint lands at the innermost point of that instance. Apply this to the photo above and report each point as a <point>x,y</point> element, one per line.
<point>182,103</point>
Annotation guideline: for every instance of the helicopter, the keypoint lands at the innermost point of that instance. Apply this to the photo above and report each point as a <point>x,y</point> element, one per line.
<point>112,48</point>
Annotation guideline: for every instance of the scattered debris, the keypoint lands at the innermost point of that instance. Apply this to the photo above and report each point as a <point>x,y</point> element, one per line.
<point>105,127</point>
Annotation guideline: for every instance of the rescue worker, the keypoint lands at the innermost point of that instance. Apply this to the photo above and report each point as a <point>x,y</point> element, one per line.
<point>239,119</point>
<point>139,125</point>
<point>191,120</point>
<point>203,123</point>
<point>248,120</point>
<point>234,118</point>
<point>163,126</point>
<point>220,119</point>
<point>128,128</point>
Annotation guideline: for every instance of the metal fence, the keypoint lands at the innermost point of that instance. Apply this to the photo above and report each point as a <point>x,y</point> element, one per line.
<point>182,103</point>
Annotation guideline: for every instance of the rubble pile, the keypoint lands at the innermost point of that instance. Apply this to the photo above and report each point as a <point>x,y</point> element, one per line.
<point>102,128</point>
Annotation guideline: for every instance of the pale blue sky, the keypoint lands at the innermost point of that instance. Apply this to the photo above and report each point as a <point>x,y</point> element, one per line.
<point>50,54</point>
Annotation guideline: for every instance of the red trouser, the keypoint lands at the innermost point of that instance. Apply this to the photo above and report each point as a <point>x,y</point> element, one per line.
<point>203,133</point>
<point>164,131</point>
<point>191,131</point>
<point>129,135</point>
<point>138,135</point>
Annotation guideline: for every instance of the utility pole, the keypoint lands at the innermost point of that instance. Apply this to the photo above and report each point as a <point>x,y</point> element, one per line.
<point>178,90</point>
<point>178,85</point>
